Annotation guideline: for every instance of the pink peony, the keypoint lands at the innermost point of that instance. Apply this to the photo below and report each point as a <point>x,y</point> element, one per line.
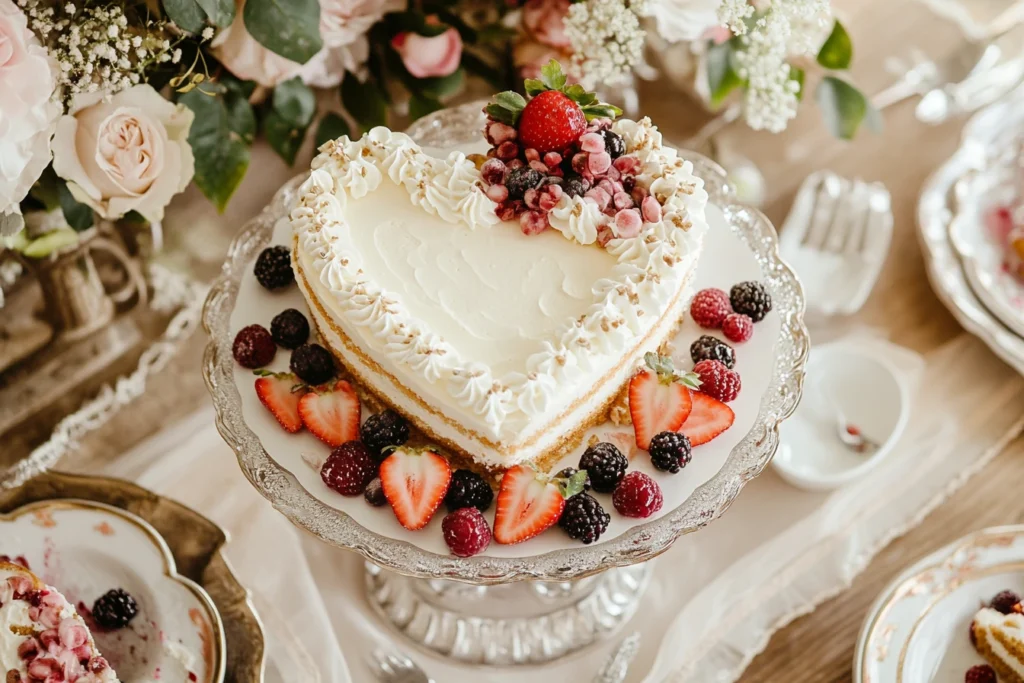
<point>545,20</point>
<point>428,57</point>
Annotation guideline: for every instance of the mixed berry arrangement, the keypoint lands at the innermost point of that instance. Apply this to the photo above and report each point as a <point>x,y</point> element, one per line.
<point>559,142</point>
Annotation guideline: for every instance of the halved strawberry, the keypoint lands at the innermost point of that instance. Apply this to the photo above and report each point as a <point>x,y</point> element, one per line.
<point>331,414</point>
<point>709,418</point>
<point>529,502</point>
<point>659,399</point>
<point>415,482</point>
<point>280,392</point>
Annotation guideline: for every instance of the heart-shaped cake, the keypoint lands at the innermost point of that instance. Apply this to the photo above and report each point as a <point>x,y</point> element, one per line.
<point>500,303</point>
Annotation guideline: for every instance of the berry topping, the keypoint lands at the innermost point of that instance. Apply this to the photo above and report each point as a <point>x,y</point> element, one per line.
<point>613,143</point>
<point>253,347</point>
<point>289,328</point>
<point>274,267</point>
<point>331,414</point>
<point>568,472</point>
<point>737,327</point>
<point>312,363</point>
<point>386,428</point>
<point>374,493</point>
<point>605,466</point>
<point>466,532</point>
<point>709,418</point>
<point>114,609</point>
<point>709,348</point>
<point>1005,602</point>
<point>280,392</point>
<point>718,381</point>
<point>659,399</point>
<point>637,495</point>
<point>349,469</point>
<point>415,482</point>
<point>710,307</point>
<point>493,172</point>
<point>750,299</point>
<point>468,490</point>
<point>521,179</point>
<point>583,518</point>
<point>980,673</point>
<point>530,502</point>
<point>670,451</point>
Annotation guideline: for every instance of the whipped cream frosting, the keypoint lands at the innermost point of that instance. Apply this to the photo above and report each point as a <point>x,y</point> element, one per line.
<point>407,254</point>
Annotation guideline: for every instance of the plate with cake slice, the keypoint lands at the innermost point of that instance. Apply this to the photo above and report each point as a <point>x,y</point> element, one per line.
<point>438,346</point>
<point>955,615</point>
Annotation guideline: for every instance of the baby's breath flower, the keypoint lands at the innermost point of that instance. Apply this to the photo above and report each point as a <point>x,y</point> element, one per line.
<point>207,33</point>
<point>607,39</point>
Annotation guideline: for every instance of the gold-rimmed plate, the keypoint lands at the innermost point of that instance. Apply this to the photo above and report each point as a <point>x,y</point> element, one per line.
<point>917,630</point>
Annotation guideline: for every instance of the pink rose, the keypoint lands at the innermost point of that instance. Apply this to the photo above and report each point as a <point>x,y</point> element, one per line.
<point>529,56</point>
<point>429,57</point>
<point>545,20</point>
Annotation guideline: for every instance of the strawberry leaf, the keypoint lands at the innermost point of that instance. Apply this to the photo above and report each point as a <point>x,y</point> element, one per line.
<point>689,379</point>
<point>578,94</point>
<point>552,76</point>
<point>601,111</point>
<point>510,100</point>
<point>534,87</point>
<point>499,113</point>
<point>573,485</point>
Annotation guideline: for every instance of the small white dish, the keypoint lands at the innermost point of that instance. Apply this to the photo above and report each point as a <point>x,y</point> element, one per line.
<point>872,394</point>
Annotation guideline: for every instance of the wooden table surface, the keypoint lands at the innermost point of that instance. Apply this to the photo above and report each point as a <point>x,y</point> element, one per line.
<point>818,647</point>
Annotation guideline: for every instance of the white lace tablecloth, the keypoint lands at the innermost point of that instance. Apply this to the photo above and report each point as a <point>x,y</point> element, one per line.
<point>715,598</point>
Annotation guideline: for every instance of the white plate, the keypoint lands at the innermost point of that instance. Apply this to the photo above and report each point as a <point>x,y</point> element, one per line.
<point>85,549</point>
<point>917,630</point>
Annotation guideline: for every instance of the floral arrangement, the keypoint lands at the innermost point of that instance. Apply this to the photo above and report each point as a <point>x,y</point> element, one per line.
<point>109,108</point>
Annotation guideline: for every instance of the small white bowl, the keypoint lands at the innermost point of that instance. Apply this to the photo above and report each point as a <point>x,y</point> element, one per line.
<point>872,394</point>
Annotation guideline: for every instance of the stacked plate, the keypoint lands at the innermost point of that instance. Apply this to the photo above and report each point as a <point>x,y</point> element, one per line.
<point>961,237</point>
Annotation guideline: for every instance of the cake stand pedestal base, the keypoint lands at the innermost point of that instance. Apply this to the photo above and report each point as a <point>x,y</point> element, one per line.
<point>526,622</point>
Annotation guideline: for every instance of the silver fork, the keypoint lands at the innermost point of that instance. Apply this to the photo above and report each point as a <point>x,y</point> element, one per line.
<point>394,667</point>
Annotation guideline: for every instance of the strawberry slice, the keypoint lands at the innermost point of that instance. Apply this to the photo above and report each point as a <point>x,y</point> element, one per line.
<point>415,482</point>
<point>281,392</point>
<point>659,399</point>
<point>331,414</point>
<point>709,418</point>
<point>530,502</point>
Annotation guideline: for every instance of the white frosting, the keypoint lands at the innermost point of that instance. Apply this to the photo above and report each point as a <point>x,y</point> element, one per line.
<point>1011,625</point>
<point>499,329</point>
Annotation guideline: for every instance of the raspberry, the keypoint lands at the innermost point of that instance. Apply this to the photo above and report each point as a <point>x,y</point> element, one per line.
<point>981,673</point>
<point>468,490</point>
<point>738,327</point>
<point>605,465</point>
<point>519,180</point>
<point>584,519</point>
<point>670,451</point>
<point>374,493</point>
<point>637,495</point>
<point>312,363</point>
<point>386,428</point>
<point>466,532</point>
<point>708,348</point>
<point>751,299</point>
<point>718,381</point>
<point>114,609</point>
<point>289,328</point>
<point>253,347</point>
<point>274,267</point>
<point>349,469</point>
<point>613,143</point>
<point>567,472</point>
<point>1004,602</point>
<point>709,308</point>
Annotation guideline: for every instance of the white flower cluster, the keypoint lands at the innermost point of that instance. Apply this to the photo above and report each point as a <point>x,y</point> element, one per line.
<point>607,39</point>
<point>96,48</point>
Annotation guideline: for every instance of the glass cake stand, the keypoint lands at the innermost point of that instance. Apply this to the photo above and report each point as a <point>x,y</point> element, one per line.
<point>506,608</point>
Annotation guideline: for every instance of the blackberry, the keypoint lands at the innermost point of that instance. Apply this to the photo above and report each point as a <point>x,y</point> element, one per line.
<point>709,348</point>
<point>253,347</point>
<point>312,363</point>
<point>750,299</point>
<point>374,493</point>
<point>386,428</point>
<point>613,143</point>
<point>670,451</point>
<point>521,179</point>
<point>114,609</point>
<point>468,489</point>
<point>567,473</point>
<point>575,186</point>
<point>605,464</point>
<point>583,518</point>
<point>1004,602</point>
<point>274,267</point>
<point>289,328</point>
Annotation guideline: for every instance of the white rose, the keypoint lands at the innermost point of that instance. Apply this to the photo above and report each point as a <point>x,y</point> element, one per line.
<point>683,20</point>
<point>128,154</point>
<point>27,110</point>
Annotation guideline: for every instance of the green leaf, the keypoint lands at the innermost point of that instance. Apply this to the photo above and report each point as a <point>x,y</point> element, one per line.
<point>722,78</point>
<point>499,113</point>
<point>284,138</point>
<point>220,12</point>
<point>364,102</point>
<point>291,28</point>
<point>534,87</point>
<point>219,143</point>
<point>50,242</point>
<point>331,127</point>
<point>511,100</point>
<point>79,216</point>
<point>578,94</point>
<point>843,106</point>
<point>420,106</point>
<point>601,111</point>
<point>442,86</point>
<point>552,76</point>
<point>797,74</point>
<point>295,102</point>
<point>574,484</point>
<point>187,14</point>
<point>837,51</point>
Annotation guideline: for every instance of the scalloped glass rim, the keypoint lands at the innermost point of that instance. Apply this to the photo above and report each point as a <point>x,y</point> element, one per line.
<point>642,542</point>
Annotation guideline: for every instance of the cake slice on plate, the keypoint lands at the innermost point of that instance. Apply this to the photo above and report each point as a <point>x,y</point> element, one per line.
<point>998,634</point>
<point>43,639</point>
